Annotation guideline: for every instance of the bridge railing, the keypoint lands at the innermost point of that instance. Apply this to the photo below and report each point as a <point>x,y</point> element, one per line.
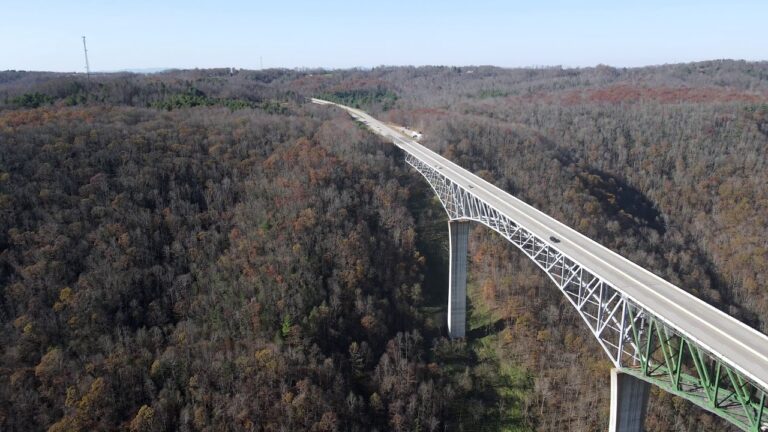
<point>636,341</point>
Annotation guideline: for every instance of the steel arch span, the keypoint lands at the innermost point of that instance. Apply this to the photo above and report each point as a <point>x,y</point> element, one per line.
<point>636,342</point>
<point>650,329</point>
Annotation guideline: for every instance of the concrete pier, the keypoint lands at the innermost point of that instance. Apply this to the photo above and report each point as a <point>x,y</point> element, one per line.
<point>629,400</point>
<point>457,278</point>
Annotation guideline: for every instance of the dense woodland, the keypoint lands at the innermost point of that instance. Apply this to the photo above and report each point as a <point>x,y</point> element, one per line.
<point>205,250</point>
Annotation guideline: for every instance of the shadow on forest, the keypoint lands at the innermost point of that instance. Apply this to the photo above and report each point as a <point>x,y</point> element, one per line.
<point>487,330</point>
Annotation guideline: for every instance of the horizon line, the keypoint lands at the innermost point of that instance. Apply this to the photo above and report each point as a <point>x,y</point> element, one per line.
<point>153,70</point>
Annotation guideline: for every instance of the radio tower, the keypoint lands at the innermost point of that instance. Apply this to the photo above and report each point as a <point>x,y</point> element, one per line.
<point>87,66</point>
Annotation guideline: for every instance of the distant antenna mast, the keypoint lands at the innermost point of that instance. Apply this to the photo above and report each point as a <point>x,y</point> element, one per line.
<point>261,62</point>
<point>87,66</point>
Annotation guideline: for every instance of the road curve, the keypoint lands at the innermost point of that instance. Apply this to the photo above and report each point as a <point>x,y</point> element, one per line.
<point>734,342</point>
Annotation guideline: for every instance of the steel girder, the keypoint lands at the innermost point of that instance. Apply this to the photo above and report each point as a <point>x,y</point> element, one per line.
<point>636,341</point>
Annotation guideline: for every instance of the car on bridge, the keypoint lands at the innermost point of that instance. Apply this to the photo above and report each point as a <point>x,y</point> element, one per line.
<point>554,239</point>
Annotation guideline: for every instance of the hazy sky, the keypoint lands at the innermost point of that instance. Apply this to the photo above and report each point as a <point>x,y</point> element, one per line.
<point>45,35</point>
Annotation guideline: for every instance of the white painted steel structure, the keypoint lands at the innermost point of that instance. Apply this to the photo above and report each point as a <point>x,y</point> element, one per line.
<point>616,298</point>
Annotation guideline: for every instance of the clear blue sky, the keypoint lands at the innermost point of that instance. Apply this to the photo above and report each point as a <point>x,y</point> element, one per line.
<point>45,35</point>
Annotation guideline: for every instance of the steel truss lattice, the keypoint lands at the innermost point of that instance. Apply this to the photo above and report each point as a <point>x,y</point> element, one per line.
<point>636,341</point>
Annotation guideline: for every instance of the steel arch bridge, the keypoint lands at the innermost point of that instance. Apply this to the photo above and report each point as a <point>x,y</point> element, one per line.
<point>640,342</point>
<point>637,342</point>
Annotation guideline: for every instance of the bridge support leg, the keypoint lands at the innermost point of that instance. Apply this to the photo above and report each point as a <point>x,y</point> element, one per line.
<point>457,278</point>
<point>629,400</point>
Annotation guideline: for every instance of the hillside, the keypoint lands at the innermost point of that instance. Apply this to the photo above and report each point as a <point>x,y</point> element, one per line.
<point>204,250</point>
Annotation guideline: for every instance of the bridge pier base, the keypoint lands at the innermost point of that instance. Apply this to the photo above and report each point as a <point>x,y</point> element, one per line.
<point>629,400</point>
<point>457,278</point>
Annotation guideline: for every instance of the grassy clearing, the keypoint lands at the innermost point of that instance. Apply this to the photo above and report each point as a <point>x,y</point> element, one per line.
<point>506,384</point>
<point>495,387</point>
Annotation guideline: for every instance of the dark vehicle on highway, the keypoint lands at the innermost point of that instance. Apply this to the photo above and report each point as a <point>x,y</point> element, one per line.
<point>554,239</point>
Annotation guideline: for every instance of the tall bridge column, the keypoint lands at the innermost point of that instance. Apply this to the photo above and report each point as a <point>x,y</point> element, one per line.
<point>457,278</point>
<point>629,400</point>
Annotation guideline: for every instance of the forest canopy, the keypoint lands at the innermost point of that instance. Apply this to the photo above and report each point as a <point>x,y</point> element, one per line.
<point>206,250</point>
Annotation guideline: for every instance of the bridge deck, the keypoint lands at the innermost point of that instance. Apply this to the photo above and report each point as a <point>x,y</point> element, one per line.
<point>732,341</point>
